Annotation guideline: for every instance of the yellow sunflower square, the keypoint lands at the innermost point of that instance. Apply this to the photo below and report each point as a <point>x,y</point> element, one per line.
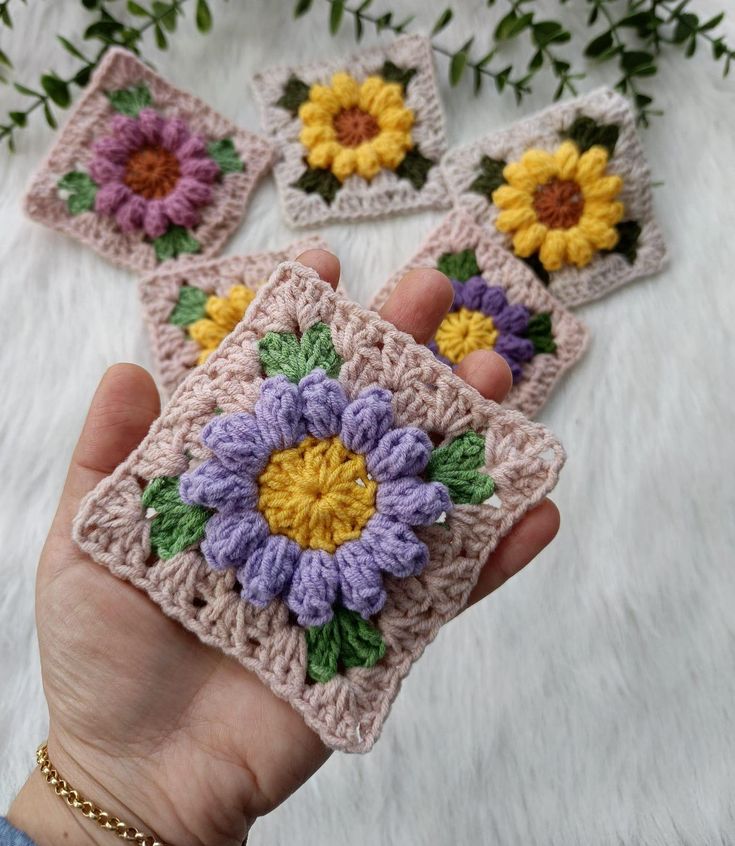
<point>568,192</point>
<point>359,137</point>
<point>190,311</point>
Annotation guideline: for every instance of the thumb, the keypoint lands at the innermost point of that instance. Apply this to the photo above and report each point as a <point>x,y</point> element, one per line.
<point>125,404</point>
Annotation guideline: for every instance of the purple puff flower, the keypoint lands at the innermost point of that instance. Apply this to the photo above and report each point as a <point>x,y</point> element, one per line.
<point>482,318</point>
<point>315,497</point>
<point>152,172</point>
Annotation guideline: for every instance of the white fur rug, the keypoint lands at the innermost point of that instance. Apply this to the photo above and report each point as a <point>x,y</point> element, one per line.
<point>590,701</point>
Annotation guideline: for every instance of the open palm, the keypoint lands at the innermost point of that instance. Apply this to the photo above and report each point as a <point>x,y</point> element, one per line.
<point>169,734</point>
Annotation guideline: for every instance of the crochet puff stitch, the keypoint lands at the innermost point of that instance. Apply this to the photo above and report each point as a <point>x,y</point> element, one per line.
<point>316,500</point>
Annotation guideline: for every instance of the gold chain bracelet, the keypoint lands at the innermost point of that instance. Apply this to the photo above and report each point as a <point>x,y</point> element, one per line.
<point>74,799</point>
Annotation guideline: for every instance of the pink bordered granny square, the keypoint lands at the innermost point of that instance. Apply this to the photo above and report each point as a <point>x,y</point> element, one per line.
<point>568,191</point>
<point>144,173</point>
<point>190,310</point>
<point>316,500</point>
<point>357,137</point>
<point>499,304</point>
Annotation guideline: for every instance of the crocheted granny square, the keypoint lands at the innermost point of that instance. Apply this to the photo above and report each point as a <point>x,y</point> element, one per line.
<point>144,173</point>
<point>360,137</point>
<point>498,304</point>
<point>568,191</point>
<point>317,500</point>
<point>189,310</point>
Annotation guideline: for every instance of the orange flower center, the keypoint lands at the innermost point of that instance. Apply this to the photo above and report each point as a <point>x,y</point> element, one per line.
<point>353,127</point>
<point>559,203</point>
<point>152,172</point>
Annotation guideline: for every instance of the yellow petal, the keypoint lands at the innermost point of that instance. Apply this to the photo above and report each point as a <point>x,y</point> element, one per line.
<point>323,154</point>
<point>527,240</point>
<point>241,296</point>
<point>312,113</point>
<point>310,136</point>
<point>604,188</point>
<point>512,219</point>
<point>591,166</point>
<point>389,97</point>
<point>603,210</point>
<point>508,197</point>
<point>553,250</point>
<point>369,90</point>
<point>396,118</point>
<point>540,164</point>
<point>579,249</point>
<point>203,356</point>
<point>391,147</point>
<point>224,312</point>
<point>207,333</point>
<point>519,177</point>
<point>368,162</point>
<point>344,163</point>
<point>566,158</point>
<point>601,235</point>
<point>346,90</point>
<point>324,97</point>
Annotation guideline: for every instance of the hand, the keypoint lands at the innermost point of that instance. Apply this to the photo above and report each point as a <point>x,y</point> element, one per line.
<point>171,735</point>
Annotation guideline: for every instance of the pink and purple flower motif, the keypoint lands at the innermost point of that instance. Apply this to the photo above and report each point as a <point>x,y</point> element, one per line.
<point>152,172</point>
<point>510,320</point>
<point>311,581</point>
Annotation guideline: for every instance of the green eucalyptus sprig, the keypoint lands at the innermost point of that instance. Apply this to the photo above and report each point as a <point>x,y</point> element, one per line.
<point>105,31</point>
<point>630,34</point>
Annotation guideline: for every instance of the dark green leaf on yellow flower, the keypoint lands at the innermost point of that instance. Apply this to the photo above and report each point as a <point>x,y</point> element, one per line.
<point>295,92</point>
<point>460,266</point>
<point>534,262</point>
<point>223,152</point>
<point>175,526</point>
<point>490,177</point>
<point>393,73</point>
<point>540,333</point>
<point>175,241</point>
<point>586,133</point>
<point>316,180</point>
<point>415,167</point>
<point>629,233</point>
<point>347,640</point>
<point>82,191</point>
<point>129,101</point>
<point>455,465</point>
<point>191,306</point>
<point>283,353</point>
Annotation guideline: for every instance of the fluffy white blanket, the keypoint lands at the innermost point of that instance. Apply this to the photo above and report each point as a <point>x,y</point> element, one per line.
<point>591,701</point>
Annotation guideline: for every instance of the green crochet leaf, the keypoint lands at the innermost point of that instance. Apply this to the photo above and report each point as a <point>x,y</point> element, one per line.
<point>191,306</point>
<point>490,177</point>
<point>129,101</point>
<point>460,266</point>
<point>415,167</point>
<point>176,525</point>
<point>295,92</point>
<point>455,465</point>
<point>629,232</point>
<point>393,73</point>
<point>346,640</point>
<point>586,133</point>
<point>175,241</point>
<point>283,353</point>
<point>540,333</point>
<point>316,180</point>
<point>224,153</point>
<point>82,191</point>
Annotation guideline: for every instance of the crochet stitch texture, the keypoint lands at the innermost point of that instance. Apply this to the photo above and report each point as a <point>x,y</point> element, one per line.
<point>342,676</point>
<point>506,297</point>
<point>162,294</point>
<point>525,184</point>
<point>382,154</point>
<point>163,176</point>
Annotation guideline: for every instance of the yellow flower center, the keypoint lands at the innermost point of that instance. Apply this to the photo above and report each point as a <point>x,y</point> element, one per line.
<point>354,126</point>
<point>317,493</point>
<point>464,331</point>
